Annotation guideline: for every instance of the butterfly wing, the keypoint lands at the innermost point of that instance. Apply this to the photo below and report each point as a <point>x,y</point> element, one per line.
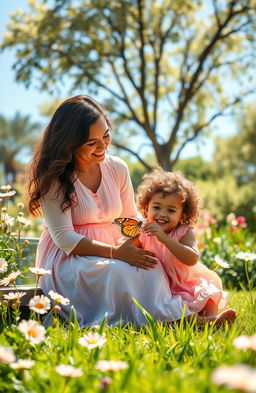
<point>130,227</point>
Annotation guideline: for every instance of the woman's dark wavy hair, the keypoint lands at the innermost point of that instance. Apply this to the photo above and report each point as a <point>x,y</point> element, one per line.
<point>53,161</point>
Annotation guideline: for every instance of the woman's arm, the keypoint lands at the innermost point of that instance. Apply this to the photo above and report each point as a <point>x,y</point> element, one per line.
<point>62,231</point>
<point>128,251</point>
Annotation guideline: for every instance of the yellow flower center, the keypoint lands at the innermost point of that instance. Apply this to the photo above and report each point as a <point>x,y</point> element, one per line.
<point>92,341</point>
<point>40,305</point>
<point>32,332</point>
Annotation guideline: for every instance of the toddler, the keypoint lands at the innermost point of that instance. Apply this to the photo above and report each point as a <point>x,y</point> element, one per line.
<point>170,203</point>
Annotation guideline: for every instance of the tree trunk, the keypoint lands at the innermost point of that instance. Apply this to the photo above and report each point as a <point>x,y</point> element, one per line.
<point>163,158</point>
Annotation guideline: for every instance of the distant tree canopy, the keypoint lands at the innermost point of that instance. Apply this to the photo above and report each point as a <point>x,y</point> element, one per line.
<point>166,68</point>
<point>237,155</point>
<point>17,136</point>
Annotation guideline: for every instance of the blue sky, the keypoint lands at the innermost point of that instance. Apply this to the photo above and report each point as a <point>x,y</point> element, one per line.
<point>15,97</point>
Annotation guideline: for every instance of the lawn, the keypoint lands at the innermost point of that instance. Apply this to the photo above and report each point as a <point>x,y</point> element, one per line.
<point>157,358</point>
<point>179,357</point>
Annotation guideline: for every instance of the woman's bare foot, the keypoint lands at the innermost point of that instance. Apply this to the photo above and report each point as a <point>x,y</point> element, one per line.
<point>228,316</point>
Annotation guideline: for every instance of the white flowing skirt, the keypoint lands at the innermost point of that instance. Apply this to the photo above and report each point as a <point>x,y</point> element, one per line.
<point>99,286</point>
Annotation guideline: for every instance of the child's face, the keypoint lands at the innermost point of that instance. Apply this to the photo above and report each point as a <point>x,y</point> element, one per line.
<point>165,211</point>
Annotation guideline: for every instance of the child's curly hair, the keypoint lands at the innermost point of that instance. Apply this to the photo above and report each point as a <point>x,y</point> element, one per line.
<point>159,181</point>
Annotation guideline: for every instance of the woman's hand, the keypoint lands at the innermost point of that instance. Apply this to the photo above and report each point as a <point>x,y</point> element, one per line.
<point>133,255</point>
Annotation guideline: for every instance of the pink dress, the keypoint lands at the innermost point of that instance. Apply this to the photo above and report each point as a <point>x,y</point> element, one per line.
<point>97,286</point>
<point>195,284</point>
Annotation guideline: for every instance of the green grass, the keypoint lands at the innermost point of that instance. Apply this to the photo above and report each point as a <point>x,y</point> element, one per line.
<point>161,357</point>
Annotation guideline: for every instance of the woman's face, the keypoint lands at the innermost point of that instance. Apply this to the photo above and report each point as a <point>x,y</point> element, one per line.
<point>94,150</point>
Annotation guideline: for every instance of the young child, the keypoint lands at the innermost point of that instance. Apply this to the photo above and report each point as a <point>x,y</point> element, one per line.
<point>170,203</point>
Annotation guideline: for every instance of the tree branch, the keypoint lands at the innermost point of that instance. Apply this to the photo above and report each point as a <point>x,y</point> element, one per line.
<point>86,73</point>
<point>135,117</point>
<point>206,124</point>
<point>189,91</point>
<point>119,146</point>
<point>216,11</point>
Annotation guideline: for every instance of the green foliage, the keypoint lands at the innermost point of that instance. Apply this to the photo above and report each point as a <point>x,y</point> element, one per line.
<point>236,155</point>
<point>224,245</point>
<point>12,246</point>
<point>183,360</point>
<point>195,168</point>
<point>17,136</point>
<point>159,64</point>
<point>222,196</point>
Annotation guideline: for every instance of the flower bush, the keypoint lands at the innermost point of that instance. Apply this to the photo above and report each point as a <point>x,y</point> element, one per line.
<point>230,250</point>
<point>11,247</point>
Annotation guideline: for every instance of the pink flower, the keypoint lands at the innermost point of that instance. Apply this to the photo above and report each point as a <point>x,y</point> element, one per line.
<point>241,220</point>
<point>212,220</point>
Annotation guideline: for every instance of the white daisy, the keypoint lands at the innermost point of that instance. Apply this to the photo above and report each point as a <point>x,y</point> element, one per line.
<point>6,355</point>
<point>111,365</point>
<point>92,340</point>
<point>66,370</point>
<point>246,256</point>
<point>22,364</point>
<point>39,271</point>
<point>14,295</point>
<point>6,188</point>
<point>8,194</point>
<point>12,277</point>
<point>3,265</point>
<point>7,220</point>
<point>220,262</point>
<point>32,330</point>
<point>57,298</point>
<point>245,342</point>
<point>241,377</point>
<point>40,304</point>
<point>23,221</point>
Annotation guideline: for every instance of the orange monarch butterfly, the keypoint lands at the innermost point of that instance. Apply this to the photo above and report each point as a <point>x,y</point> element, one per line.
<point>130,227</point>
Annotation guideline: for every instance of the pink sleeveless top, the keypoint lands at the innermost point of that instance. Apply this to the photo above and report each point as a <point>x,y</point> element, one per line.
<point>195,284</point>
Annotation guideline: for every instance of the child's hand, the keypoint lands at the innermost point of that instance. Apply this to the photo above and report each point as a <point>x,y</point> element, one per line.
<point>153,229</point>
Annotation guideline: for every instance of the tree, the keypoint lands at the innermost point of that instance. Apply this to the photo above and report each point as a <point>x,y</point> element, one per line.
<point>166,68</point>
<point>17,137</point>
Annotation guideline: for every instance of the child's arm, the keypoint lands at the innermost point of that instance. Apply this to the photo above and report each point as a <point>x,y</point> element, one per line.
<point>186,250</point>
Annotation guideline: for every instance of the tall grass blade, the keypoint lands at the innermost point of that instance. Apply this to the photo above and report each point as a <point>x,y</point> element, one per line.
<point>154,329</point>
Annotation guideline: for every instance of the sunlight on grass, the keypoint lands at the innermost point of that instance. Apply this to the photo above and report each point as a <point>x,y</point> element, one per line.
<point>179,357</point>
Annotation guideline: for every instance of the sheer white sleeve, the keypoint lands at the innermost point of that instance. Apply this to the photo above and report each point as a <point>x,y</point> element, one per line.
<point>127,192</point>
<point>59,223</point>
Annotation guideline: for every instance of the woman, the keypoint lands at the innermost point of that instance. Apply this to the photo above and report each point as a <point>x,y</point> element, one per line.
<point>81,190</point>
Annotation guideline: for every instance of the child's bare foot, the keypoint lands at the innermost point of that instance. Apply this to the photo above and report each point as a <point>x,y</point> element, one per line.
<point>228,316</point>
<point>219,320</point>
